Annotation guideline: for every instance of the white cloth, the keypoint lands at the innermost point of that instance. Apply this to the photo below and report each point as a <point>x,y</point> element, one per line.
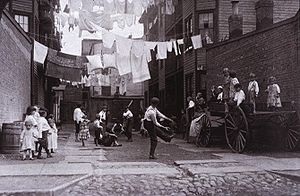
<point>88,81</point>
<point>138,47</point>
<point>78,115</point>
<point>40,52</point>
<point>140,69</point>
<point>138,7</point>
<point>109,6</point>
<point>161,50</point>
<point>123,45</point>
<point>26,139</point>
<point>175,47</point>
<point>127,114</point>
<point>151,45</point>
<point>102,115</point>
<point>52,138</point>
<point>43,126</point>
<point>123,64</point>
<point>169,46</point>
<point>180,41</point>
<point>108,39</point>
<point>88,5</point>
<point>170,9</point>
<point>239,97</point>
<point>95,62</point>
<point>253,86</point>
<point>197,41</point>
<point>109,61</point>
<point>74,5</point>
<point>129,18</point>
<point>120,6</point>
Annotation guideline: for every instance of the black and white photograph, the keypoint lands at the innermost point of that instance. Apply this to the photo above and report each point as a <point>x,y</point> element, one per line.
<point>149,97</point>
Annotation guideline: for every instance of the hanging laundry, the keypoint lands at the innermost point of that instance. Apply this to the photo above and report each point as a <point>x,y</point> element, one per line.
<point>39,52</point>
<point>138,7</point>
<point>170,9</point>
<point>63,17</point>
<point>180,41</point>
<point>145,4</point>
<point>175,47</point>
<point>151,45</point>
<point>169,46</point>
<point>88,81</point>
<point>130,7</point>
<point>83,79</point>
<point>88,5</point>
<point>109,6</point>
<point>138,47</point>
<point>99,3</point>
<point>120,6</point>
<point>84,23</point>
<point>123,64</point>
<point>123,45</point>
<point>95,61</point>
<point>197,41</point>
<point>148,54</point>
<point>71,22</point>
<point>140,69</point>
<point>104,80</point>
<point>121,22</point>
<point>129,18</point>
<point>161,50</point>
<point>123,87</point>
<point>67,9</point>
<point>75,5</point>
<point>109,61</point>
<point>108,39</point>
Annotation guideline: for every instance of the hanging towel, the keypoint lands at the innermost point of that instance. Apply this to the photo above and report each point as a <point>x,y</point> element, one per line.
<point>120,6</point>
<point>140,69</point>
<point>175,47</point>
<point>138,47</point>
<point>88,81</point>
<point>138,7</point>
<point>151,45</point>
<point>123,64</point>
<point>74,5</point>
<point>88,5</point>
<point>123,45</point>
<point>180,41</point>
<point>169,46</point>
<point>130,7</point>
<point>197,41</point>
<point>40,52</point>
<point>108,39</point>
<point>109,61</point>
<point>161,50</point>
<point>170,9</point>
<point>109,6</point>
<point>95,61</point>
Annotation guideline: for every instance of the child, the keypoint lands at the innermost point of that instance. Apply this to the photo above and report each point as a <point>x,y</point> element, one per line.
<point>233,82</point>
<point>53,136</point>
<point>239,95</point>
<point>43,128</point>
<point>253,90</point>
<point>84,133</point>
<point>220,94</point>
<point>26,140</point>
<point>273,91</point>
<point>98,130</point>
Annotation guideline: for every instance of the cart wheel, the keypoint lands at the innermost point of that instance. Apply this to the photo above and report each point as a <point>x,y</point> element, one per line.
<point>291,133</point>
<point>204,135</point>
<point>236,129</point>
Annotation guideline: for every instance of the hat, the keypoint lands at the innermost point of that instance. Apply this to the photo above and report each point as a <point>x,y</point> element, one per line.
<point>220,87</point>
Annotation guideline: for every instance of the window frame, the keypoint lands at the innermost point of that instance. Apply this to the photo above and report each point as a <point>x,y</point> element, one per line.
<point>212,29</point>
<point>17,16</point>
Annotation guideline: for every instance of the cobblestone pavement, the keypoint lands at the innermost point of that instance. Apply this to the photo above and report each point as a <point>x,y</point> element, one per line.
<point>250,183</point>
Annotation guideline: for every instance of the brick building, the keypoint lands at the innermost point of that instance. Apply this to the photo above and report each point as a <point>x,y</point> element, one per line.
<point>220,20</point>
<point>23,81</point>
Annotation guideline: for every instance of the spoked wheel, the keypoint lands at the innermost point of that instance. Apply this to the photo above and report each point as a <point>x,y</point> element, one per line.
<point>291,133</point>
<point>236,129</point>
<point>204,135</point>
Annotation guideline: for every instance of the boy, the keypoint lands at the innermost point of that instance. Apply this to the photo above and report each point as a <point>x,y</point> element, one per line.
<point>239,95</point>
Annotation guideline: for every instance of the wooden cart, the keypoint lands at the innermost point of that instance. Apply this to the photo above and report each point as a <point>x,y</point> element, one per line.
<point>238,126</point>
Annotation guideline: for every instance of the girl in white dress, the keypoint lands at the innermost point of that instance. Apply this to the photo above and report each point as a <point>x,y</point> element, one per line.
<point>26,140</point>
<point>53,137</point>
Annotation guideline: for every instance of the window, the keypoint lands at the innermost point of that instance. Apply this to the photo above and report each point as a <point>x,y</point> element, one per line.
<point>23,21</point>
<point>189,27</point>
<point>206,27</point>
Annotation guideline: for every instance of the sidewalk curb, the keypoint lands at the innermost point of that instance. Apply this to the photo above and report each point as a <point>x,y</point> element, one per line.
<point>286,175</point>
<point>45,192</point>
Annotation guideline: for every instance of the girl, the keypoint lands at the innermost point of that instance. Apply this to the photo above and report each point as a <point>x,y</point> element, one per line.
<point>53,136</point>
<point>84,133</point>
<point>233,82</point>
<point>33,115</point>
<point>273,90</point>
<point>26,140</point>
<point>253,90</point>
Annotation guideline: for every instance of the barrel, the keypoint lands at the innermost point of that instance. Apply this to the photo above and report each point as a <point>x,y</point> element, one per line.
<point>10,140</point>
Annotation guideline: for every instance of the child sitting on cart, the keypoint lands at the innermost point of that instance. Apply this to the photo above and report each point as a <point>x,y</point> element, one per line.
<point>239,95</point>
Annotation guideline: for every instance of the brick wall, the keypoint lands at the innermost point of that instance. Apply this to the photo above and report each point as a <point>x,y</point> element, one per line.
<point>268,52</point>
<point>283,9</point>
<point>15,58</point>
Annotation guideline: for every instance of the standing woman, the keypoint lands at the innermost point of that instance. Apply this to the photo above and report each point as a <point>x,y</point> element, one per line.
<point>150,121</point>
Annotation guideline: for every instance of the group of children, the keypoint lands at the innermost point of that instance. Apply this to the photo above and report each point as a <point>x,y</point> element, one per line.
<point>231,91</point>
<point>38,133</point>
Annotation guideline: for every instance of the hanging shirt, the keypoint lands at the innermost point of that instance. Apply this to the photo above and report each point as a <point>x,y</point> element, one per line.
<point>108,39</point>
<point>130,7</point>
<point>197,41</point>
<point>95,62</point>
<point>123,45</point>
<point>109,6</point>
<point>40,52</point>
<point>239,97</point>
<point>161,50</point>
<point>109,61</point>
<point>78,115</point>
<point>138,48</point>
<point>169,46</point>
<point>151,45</point>
<point>123,64</point>
<point>140,69</point>
<point>120,6</point>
